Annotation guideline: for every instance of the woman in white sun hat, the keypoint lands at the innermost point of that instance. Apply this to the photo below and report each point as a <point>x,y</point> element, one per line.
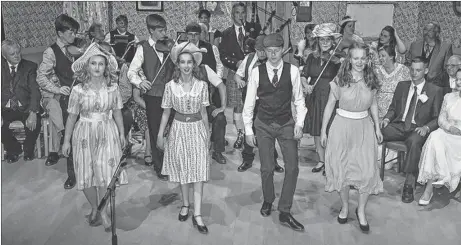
<point>98,135</point>
<point>187,159</point>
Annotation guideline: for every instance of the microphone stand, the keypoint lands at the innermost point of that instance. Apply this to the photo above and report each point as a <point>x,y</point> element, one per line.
<point>110,193</point>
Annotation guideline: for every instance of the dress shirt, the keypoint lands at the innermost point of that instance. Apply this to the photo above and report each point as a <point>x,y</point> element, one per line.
<point>253,84</point>
<point>219,65</point>
<point>138,60</point>
<point>107,37</point>
<point>452,82</point>
<point>212,76</point>
<point>241,69</point>
<point>46,71</point>
<point>419,88</point>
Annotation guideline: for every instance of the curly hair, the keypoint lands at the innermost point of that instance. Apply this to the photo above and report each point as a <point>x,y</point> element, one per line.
<point>317,50</point>
<point>389,50</point>
<point>195,71</point>
<point>392,40</point>
<point>84,76</point>
<point>345,76</point>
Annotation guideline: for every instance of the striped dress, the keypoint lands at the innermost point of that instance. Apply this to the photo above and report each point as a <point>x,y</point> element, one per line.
<point>186,158</point>
<point>95,141</point>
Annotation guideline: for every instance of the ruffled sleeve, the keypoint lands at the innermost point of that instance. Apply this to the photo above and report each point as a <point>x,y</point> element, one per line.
<point>334,88</point>
<point>167,100</point>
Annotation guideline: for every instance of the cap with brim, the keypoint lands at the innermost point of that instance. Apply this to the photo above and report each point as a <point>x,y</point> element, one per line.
<point>346,20</point>
<point>325,30</point>
<point>273,40</point>
<point>193,27</point>
<point>92,50</point>
<point>187,47</point>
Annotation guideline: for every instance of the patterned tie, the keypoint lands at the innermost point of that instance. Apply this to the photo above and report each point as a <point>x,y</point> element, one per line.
<point>427,52</point>
<point>240,37</point>
<point>411,110</point>
<point>275,79</point>
<point>13,101</point>
<point>67,54</point>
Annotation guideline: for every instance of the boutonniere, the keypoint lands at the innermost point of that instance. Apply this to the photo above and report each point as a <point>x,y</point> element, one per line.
<point>252,29</point>
<point>423,97</point>
<point>247,34</point>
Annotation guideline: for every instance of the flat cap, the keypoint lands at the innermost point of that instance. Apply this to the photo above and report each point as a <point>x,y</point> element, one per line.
<point>193,27</point>
<point>273,40</point>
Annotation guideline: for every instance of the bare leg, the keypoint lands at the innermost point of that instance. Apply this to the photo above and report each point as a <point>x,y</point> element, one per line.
<point>198,190</point>
<point>92,196</point>
<point>105,218</point>
<point>428,191</point>
<point>320,151</point>
<point>363,199</point>
<point>344,195</point>
<point>185,198</point>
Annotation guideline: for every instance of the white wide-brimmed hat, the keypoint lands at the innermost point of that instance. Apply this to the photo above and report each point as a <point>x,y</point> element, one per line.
<point>187,47</point>
<point>325,30</point>
<point>347,20</point>
<point>92,50</point>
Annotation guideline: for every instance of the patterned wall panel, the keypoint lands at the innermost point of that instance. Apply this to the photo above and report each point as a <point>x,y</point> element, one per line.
<point>31,23</point>
<point>442,12</point>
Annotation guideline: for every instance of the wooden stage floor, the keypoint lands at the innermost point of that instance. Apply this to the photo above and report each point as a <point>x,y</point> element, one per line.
<point>37,210</point>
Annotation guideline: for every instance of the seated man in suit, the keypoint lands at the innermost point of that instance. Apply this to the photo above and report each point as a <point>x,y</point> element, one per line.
<point>411,117</point>
<point>448,80</point>
<point>20,101</point>
<point>433,49</point>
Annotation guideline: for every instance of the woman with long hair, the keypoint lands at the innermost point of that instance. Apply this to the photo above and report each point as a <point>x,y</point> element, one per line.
<point>98,135</point>
<point>352,143</point>
<point>389,37</point>
<point>306,46</point>
<point>317,96</point>
<point>187,159</point>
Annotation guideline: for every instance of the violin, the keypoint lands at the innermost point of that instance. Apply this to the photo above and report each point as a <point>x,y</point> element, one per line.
<point>164,45</point>
<point>334,57</point>
<point>79,46</point>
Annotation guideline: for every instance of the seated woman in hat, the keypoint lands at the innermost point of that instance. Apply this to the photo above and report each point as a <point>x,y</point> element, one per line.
<point>187,159</point>
<point>98,135</point>
<point>348,31</point>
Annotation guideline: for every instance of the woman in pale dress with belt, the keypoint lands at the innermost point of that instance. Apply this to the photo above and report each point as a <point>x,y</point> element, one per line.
<point>187,160</point>
<point>440,163</point>
<point>98,135</point>
<point>352,144</point>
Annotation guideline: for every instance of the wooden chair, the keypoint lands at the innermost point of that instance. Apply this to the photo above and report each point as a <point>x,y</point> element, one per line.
<point>398,146</point>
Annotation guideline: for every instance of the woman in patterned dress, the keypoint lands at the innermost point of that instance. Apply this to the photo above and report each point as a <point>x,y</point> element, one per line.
<point>352,144</point>
<point>186,159</point>
<point>141,119</point>
<point>98,135</point>
<point>389,74</point>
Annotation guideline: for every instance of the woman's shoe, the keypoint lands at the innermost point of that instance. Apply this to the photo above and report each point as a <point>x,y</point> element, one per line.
<point>342,220</point>
<point>96,221</point>
<point>315,170</point>
<point>181,217</point>
<point>148,162</point>
<point>422,202</point>
<point>201,228</point>
<point>362,227</point>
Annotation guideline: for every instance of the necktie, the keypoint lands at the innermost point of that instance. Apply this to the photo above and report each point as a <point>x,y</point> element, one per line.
<point>275,79</point>
<point>428,51</point>
<point>13,101</point>
<point>240,37</point>
<point>411,110</point>
<point>67,54</point>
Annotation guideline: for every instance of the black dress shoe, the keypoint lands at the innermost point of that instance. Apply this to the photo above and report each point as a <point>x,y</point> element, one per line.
<point>181,217</point>
<point>245,166</point>
<point>218,157</point>
<point>70,183</point>
<point>29,157</point>
<point>407,194</point>
<point>12,158</point>
<point>278,168</point>
<point>240,138</point>
<point>324,174</point>
<point>52,159</point>
<point>266,209</point>
<point>342,220</point>
<point>364,228</point>
<point>201,228</point>
<point>288,220</point>
<point>315,170</point>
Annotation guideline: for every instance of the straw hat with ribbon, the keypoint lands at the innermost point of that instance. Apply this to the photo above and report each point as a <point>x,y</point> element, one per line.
<point>187,47</point>
<point>325,30</point>
<point>92,50</point>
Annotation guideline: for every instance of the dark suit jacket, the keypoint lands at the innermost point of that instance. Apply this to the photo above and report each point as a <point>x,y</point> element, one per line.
<point>444,83</point>
<point>440,55</point>
<point>25,85</point>
<point>229,48</point>
<point>426,114</point>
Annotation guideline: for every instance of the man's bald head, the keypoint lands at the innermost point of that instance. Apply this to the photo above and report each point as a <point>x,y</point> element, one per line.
<point>453,64</point>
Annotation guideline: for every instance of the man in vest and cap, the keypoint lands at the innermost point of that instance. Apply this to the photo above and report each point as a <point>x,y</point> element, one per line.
<point>276,84</point>
<point>251,61</point>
